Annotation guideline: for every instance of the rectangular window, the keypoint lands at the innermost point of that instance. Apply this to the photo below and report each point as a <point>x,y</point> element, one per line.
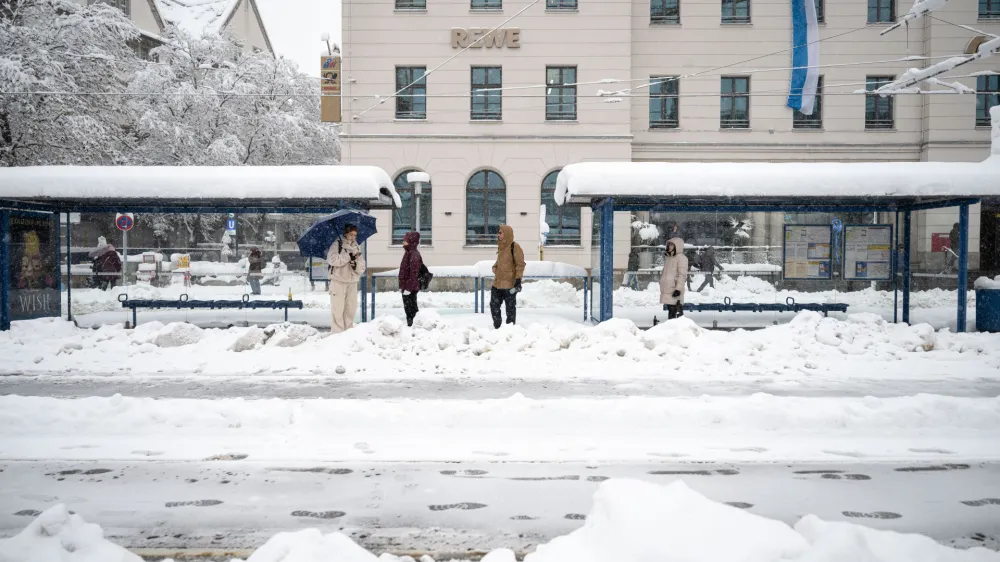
<point>989,9</point>
<point>735,11</point>
<point>820,11</point>
<point>560,4</point>
<point>486,94</point>
<point>411,4</point>
<point>881,11</point>
<point>123,5</point>
<point>663,109</point>
<point>411,102</point>
<point>735,103</point>
<point>487,4</point>
<point>665,11</point>
<point>560,93</point>
<point>987,96</point>
<point>814,121</point>
<point>878,109</point>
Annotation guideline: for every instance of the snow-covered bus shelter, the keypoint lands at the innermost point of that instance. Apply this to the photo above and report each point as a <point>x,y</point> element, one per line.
<point>31,198</point>
<point>827,187</point>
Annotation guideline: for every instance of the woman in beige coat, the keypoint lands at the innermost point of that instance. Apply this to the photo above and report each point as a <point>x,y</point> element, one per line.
<point>673,278</point>
<point>347,265</point>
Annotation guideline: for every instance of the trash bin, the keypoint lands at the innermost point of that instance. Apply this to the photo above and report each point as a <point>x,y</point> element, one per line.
<point>988,310</point>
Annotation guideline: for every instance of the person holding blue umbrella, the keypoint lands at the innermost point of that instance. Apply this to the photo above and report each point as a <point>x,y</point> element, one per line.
<point>347,264</point>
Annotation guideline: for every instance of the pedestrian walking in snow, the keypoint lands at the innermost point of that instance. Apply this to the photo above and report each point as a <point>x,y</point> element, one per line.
<point>507,273</point>
<point>409,274</point>
<point>708,264</point>
<point>346,265</point>
<point>672,286</point>
<point>107,265</point>
<point>255,269</point>
<point>692,262</point>
<point>951,254</point>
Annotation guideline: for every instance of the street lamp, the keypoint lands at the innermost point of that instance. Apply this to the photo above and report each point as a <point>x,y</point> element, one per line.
<point>418,179</point>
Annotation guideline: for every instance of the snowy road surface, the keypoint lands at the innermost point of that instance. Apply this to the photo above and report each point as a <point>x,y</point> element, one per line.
<point>472,388</point>
<point>454,507</point>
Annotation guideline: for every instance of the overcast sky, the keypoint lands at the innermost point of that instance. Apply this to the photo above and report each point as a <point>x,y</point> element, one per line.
<point>295,26</point>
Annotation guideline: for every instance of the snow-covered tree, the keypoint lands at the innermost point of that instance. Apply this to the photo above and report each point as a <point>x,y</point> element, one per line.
<point>63,46</point>
<point>222,105</point>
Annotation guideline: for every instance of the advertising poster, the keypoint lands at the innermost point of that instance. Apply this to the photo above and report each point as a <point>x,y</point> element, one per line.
<point>34,273</point>
<point>868,252</point>
<point>807,251</point>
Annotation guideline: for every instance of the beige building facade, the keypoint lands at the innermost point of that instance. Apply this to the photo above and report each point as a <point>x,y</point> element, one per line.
<point>491,155</point>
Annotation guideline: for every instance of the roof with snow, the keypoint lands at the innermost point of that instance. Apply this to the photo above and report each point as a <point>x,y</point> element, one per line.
<point>840,182</point>
<point>197,16</point>
<point>900,184</point>
<point>185,187</point>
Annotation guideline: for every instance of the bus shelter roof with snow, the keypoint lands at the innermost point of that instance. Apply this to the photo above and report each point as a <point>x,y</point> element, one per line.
<point>829,187</point>
<point>50,190</point>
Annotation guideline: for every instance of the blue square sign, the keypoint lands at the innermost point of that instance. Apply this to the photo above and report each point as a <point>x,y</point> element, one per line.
<point>231,225</point>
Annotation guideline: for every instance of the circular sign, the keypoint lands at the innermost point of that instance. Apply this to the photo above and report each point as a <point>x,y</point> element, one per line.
<point>124,221</point>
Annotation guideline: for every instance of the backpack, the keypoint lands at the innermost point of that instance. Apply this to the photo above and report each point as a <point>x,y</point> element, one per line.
<point>424,277</point>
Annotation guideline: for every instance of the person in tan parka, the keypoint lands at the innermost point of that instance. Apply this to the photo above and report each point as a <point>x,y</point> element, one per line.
<point>346,265</point>
<point>673,278</point>
<point>507,273</point>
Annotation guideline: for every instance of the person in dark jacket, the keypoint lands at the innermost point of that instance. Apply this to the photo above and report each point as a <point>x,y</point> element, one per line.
<point>692,262</point>
<point>950,258</point>
<point>632,274</point>
<point>409,274</point>
<point>107,264</point>
<point>255,269</point>
<point>708,265</point>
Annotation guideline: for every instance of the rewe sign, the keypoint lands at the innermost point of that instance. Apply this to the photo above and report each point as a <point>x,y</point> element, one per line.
<point>478,37</point>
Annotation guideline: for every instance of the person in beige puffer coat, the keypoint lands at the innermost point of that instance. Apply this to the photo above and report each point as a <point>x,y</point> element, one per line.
<point>673,278</point>
<point>347,265</point>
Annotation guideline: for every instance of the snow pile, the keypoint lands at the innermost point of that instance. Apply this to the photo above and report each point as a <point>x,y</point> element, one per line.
<point>251,338</point>
<point>987,283</point>
<point>634,521</point>
<point>178,334</point>
<point>60,536</point>
<point>289,335</point>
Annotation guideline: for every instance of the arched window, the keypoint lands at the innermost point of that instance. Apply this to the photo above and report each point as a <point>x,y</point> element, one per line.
<point>404,218</point>
<point>563,221</point>
<point>485,207</point>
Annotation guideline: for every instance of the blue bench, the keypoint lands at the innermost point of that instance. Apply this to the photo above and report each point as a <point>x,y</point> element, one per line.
<point>727,305</point>
<point>184,302</point>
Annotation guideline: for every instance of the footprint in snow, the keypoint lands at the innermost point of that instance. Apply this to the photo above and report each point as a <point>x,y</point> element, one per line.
<point>933,468</point>
<point>197,503</point>
<point>575,516</point>
<point>851,454</point>
<point>741,505</point>
<point>982,502</point>
<point>315,470</point>
<point>931,450</point>
<point>228,457</point>
<point>148,453</point>
<point>523,518</point>
<point>465,506</point>
<point>872,515</point>
<point>28,513</point>
<point>749,450</point>
<point>540,478</point>
<point>319,515</point>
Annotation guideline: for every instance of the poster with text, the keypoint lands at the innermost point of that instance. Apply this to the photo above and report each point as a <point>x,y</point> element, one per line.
<point>807,251</point>
<point>34,273</point>
<point>868,252</point>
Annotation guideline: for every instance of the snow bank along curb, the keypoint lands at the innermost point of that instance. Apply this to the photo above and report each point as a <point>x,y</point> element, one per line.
<point>630,521</point>
<point>863,345</point>
<point>755,428</point>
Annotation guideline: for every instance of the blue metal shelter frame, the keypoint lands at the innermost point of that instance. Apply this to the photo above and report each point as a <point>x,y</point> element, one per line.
<point>317,205</point>
<point>604,208</point>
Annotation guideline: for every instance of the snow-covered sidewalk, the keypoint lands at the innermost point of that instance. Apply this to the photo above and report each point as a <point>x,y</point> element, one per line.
<point>758,428</point>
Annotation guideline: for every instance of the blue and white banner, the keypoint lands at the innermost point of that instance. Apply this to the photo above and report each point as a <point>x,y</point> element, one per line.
<point>805,56</point>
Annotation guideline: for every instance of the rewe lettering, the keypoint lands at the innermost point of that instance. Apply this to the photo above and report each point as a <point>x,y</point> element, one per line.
<point>478,37</point>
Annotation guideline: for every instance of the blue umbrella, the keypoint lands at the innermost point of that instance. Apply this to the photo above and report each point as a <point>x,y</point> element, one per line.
<point>316,241</point>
